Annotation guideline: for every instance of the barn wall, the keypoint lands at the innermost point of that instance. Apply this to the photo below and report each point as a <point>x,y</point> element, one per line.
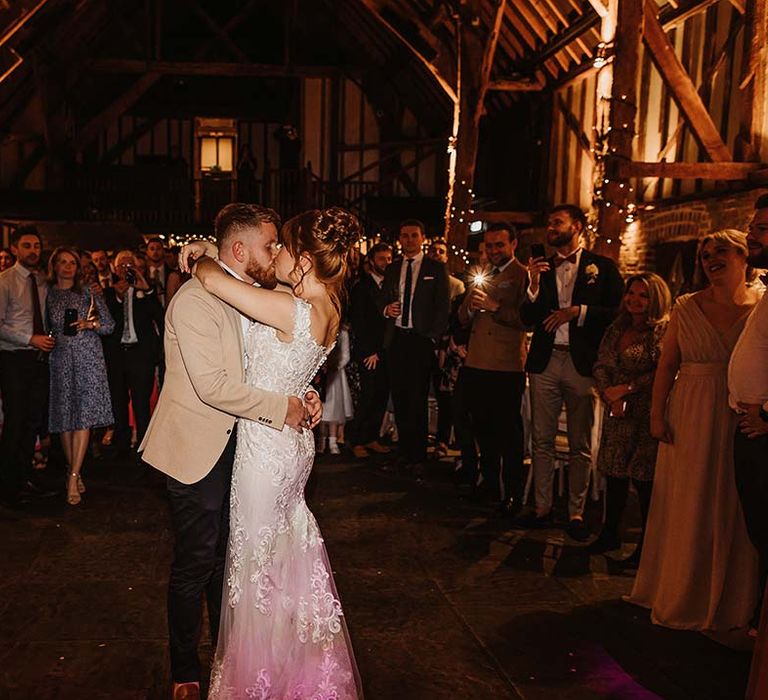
<point>660,133</point>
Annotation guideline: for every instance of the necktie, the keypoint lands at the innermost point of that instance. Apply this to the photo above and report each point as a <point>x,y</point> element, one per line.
<point>560,260</point>
<point>37,316</point>
<point>407,294</point>
<point>495,271</point>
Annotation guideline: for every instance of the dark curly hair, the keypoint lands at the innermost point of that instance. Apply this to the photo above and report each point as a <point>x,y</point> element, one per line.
<point>325,236</point>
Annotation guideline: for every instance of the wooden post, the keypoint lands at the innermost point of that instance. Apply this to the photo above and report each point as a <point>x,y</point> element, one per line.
<point>622,26</point>
<point>475,55</point>
<point>752,141</point>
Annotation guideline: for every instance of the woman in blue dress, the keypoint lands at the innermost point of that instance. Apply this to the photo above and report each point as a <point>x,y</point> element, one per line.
<point>79,393</point>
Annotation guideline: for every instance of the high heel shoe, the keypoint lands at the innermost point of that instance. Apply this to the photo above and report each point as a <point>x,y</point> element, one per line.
<point>73,492</point>
<point>80,484</point>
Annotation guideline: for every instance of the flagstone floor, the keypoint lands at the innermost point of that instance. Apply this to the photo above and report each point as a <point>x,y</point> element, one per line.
<point>442,599</point>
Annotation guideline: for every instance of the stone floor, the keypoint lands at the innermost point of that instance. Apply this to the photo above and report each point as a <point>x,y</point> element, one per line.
<point>442,599</point>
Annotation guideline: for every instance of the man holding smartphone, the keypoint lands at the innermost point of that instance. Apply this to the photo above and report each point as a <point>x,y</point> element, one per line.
<point>572,298</point>
<point>133,350</point>
<point>493,372</point>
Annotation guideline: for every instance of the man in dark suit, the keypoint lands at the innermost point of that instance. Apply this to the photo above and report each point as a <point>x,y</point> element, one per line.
<point>416,302</point>
<point>368,326</point>
<point>133,350</point>
<point>160,276</point>
<point>572,297</point>
<point>101,260</point>
<point>493,372</point>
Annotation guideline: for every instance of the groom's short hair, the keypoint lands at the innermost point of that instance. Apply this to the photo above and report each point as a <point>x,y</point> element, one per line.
<point>237,216</point>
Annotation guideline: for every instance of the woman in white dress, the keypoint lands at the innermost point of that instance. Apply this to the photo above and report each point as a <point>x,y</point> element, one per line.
<point>338,407</point>
<point>698,569</point>
<point>282,633</point>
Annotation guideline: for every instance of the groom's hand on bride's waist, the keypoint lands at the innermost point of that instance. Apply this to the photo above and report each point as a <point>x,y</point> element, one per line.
<point>315,407</point>
<point>298,415</point>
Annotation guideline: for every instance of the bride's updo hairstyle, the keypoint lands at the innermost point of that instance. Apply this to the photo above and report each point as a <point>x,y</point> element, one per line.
<point>326,237</point>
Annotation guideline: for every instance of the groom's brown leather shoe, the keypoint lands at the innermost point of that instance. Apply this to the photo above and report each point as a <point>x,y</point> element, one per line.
<point>186,691</point>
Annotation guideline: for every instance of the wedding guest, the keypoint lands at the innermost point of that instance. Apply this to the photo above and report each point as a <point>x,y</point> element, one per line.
<point>698,569</point>
<point>624,373</point>
<point>24,348</point>
<point>368,326</point>
<point>572,298</point>
<point>416,302</point>
<point>172,257</point>
<point>438,250</point>
<point>6,259</point>
<point>748,396</point>
<point>337,405</point>
<point>101,260</point>
<point>163,278</point>
<point>79,392</point>
<point>494,367</point>
<point>133,349</point>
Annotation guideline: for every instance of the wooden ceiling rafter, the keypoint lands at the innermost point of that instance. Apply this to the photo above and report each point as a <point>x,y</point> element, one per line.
<point>449,90</point>
<point>561,17</point>
<point>523,18</point>
<point>511,42</point>
<point>180,68</point>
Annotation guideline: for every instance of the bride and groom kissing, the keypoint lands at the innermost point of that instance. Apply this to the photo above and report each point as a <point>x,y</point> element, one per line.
<point>232,432</point>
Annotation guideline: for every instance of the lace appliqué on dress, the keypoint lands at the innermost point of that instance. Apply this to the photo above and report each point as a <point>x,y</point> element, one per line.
<point>321,614</point>
<point>282,636</point>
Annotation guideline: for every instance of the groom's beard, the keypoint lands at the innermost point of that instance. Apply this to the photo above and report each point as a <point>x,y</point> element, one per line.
<point>264,276</point>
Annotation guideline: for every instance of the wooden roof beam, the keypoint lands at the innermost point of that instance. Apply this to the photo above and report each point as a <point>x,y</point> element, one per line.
<point>449,90</point>
<point>688,171</point>
<point>516,85</point>
<point>599,7</point>
<point>112,111</point>
<point>231,70</point>
<point>218,31</point>
<point>682,87</point>
<point>522,31</point>
<point>492,43</point>
<point>535,22</point>
<point>669,15</point>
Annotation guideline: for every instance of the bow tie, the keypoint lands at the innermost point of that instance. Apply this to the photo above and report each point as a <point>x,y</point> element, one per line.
<point>559,260</point>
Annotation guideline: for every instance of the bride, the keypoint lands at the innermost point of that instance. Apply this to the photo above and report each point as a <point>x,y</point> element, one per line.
<point>282,633</point>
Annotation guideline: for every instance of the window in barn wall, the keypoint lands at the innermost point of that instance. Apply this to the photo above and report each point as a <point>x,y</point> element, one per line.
<point>216,154</point>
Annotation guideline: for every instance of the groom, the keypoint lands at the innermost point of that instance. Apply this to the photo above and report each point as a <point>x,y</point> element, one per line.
<point>191,437</point>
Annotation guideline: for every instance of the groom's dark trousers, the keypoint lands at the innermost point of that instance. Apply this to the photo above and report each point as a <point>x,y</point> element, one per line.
<point>200,514</point>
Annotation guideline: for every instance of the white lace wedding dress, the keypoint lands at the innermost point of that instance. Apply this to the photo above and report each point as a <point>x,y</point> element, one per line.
<point>282,634</point>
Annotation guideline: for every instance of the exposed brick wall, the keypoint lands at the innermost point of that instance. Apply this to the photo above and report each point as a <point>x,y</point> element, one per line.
<point>682,222</point>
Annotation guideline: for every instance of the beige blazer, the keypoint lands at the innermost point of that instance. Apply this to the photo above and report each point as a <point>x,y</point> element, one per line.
<point>497,340</point>
<point>204,388</point>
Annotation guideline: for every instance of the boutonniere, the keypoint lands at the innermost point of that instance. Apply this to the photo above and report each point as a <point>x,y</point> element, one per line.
<point>591,271</point>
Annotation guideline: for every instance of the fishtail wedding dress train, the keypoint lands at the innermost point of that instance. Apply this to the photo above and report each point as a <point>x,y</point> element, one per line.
<point>282,633</point>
